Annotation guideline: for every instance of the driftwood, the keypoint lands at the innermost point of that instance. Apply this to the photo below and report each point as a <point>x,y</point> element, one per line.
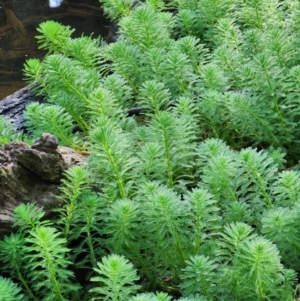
<point>30,174</point>
<point>12,107</point>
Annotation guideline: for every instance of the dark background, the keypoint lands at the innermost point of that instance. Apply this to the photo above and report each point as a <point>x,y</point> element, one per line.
<point>18,22</point>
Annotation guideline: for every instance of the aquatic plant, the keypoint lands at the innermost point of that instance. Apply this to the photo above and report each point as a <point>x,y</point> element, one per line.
<point>191,187</point>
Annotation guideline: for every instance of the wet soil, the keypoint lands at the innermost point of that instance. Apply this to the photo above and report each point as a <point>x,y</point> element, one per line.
<point>18,22</point>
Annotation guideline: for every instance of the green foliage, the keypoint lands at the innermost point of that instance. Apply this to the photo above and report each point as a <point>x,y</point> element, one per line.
<point>281,225</point>
<point>234,235</point>
<point>286,189</point>
<point>9,291</point>
<point>87,226</point>
<point>29,216</point>
<point>116,276</point>
<point>41,118</point>
<point>126,62</point>
<point>120,90</point>
<point>7,132</point>
<point>151,297</point>
<point>104,103</point>
<point>86,51</point>
<point>145,28</point>
<point>116,8</point>
<point>191,188</point>
<point>37,256</point>
<point>259,263</point>
<point>199,276</point>
<point>33,71</point>
<point>154,96</point>
<point>12,255</point>
<point>74,184</point>
<point>204,217</point>
<point>122,222</point>
<point>175,136</point>
<point>53,36</point>
<point>111,154</point>
<point>47,263</point>
<point>162,207</point>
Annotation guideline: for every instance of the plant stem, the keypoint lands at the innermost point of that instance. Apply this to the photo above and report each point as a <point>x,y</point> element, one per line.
<point>51,271</point>
<point>91,246</point>
<point>168,160</point>
<point>16,266</point>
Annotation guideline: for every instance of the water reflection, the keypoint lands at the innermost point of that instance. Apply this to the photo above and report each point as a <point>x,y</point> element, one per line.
<point>55,3</point>
<point>18,22</point>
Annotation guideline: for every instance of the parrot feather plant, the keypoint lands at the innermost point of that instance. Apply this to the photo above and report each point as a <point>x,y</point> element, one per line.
<point>191,187</point>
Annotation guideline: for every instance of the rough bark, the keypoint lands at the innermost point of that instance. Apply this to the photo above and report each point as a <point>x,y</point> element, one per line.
<point>32,175</point>
<point>12,107</point>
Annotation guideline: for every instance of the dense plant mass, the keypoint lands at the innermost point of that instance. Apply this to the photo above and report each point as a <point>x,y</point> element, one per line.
<point>191,190</point>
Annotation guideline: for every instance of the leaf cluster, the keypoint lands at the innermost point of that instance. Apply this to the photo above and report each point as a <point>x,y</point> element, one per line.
<point>189,191</point>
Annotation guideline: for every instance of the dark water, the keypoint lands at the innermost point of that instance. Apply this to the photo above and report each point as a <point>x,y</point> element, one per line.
<point>18,22</point>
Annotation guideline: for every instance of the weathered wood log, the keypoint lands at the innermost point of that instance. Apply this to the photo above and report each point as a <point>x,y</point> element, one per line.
<point>32,175</point>
<point>12,106</point>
